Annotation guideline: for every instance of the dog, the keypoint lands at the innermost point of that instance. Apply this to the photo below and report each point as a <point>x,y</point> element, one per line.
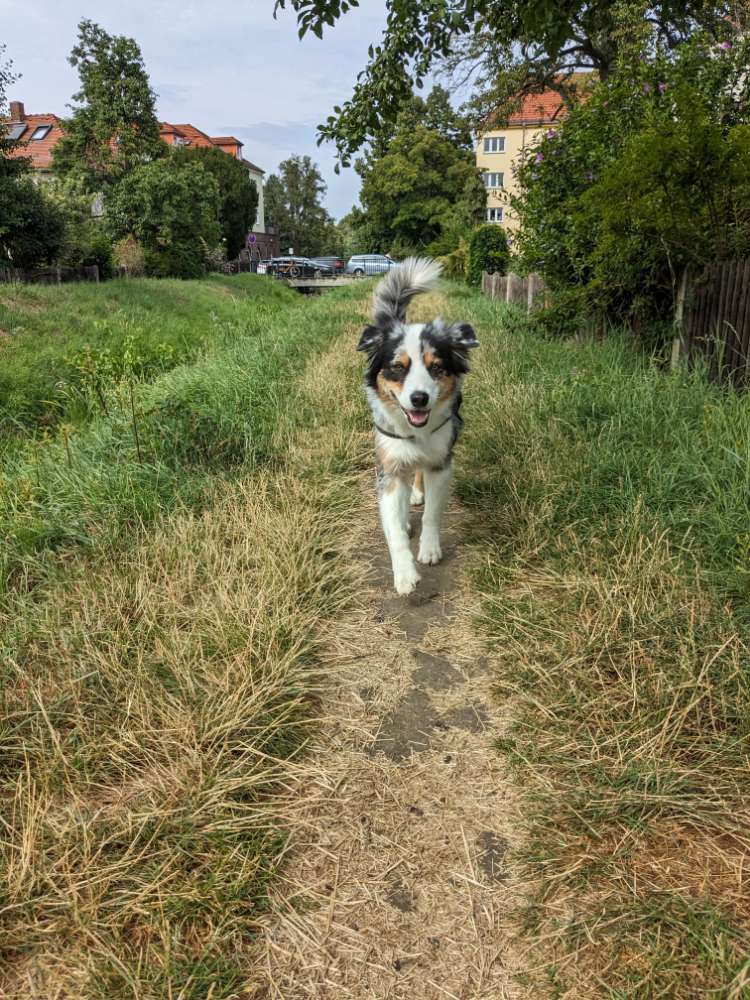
<point>413,384</point>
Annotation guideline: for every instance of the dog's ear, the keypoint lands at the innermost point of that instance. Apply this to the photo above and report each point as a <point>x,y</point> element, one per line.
<point>371,339</point>
<point>462,336</point>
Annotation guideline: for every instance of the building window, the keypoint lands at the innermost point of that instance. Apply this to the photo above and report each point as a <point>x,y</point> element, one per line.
<point>41,132</point>
<point>493,180</point>
<point>16,131</point>
<point>494,215</point>
<point>495,144</point>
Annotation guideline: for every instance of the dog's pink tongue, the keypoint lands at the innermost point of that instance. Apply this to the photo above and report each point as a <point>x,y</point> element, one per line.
<point>418,417</point>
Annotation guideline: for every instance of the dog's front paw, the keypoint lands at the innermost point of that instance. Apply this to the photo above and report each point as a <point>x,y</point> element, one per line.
<point>406,579</point>
<point>430,551</point>
<point>417,497</point>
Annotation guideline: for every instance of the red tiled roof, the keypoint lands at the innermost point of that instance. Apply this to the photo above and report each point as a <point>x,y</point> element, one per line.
<point>39,151</point>
<point>538,109</point>
<point>196,137</point>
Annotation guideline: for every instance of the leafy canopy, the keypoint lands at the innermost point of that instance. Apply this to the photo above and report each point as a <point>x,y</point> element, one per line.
<point>172,210</point>
<point>647,177</point>
<point>31,227</point>
<point>547,38</point>
<point>114,128</point>
<point>238,195</point>
<point>422,190</point>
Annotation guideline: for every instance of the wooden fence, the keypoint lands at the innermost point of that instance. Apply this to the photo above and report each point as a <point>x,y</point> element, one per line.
<point>47,275</point>
<point>521,291</point>
<point>712,320</point>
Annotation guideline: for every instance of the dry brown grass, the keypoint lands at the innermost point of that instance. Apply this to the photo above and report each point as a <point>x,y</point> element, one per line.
<point>602,516</point>
<point>157,706</point>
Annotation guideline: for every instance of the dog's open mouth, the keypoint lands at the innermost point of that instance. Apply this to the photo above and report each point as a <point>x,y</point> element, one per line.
<point>417,418</point>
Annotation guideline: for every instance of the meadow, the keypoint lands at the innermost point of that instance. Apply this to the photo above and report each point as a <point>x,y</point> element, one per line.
<point>174,545</point>
<point>613,502</point>
<point>171,556</point>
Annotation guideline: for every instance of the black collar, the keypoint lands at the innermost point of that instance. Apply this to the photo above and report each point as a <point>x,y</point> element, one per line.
<point>410,437</point>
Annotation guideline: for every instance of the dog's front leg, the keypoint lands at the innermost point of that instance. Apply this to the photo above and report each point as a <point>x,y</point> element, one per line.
<point>394,515</point>
<point>437,486</point>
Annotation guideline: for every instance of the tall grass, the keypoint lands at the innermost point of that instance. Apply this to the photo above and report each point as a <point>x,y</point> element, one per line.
<point>159,677</point>
<point>161,443</point>
<point>612,540</point>
<point>63,347</point>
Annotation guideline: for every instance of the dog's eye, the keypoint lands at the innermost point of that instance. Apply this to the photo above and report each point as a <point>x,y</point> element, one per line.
<point>435,368</point>
<point>397,368</point>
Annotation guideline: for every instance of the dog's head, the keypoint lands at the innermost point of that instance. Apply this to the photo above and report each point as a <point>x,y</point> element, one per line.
<point>416,367</point>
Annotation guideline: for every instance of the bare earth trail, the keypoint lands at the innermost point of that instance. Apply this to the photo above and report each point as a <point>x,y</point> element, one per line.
<point>396,883</point>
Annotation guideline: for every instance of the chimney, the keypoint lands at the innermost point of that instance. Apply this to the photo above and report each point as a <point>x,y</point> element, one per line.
<point>17,113</point>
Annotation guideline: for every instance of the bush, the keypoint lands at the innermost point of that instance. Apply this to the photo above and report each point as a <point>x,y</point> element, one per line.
<point>90,246</point>
<point>456,263</point>
<point>171,208</point>
<point>646,177</point>
<point>128,253</point>
<point>177,261</point>
<point>32,227</point>
<point>488,251</point>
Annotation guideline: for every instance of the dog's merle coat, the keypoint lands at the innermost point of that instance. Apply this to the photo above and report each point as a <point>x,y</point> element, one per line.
<point>413,385</point>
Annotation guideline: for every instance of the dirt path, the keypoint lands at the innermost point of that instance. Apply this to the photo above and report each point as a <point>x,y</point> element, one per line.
<point>396,883</point>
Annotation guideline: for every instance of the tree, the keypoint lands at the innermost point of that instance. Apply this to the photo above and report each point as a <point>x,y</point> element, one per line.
<point>31,228</point>
<point>648,176</point>
<point>238,195</point>
<point>551,39</point>
<point>293,205</point>
<point>423,192</point>
<point>172,209</point>
<point>114,128</point>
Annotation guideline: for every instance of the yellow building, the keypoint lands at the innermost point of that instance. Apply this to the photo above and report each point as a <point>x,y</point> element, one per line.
<point>499,150</point>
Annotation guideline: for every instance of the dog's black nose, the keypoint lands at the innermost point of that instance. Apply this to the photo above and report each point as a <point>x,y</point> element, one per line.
<point>419,399</point>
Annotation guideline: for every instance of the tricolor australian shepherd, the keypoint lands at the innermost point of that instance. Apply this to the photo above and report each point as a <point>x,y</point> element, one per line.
<point>413,384</point>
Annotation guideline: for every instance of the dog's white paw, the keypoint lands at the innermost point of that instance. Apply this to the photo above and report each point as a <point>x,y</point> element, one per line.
<point>429,551</point>
<point>406,579</point>
<point>417,497</point>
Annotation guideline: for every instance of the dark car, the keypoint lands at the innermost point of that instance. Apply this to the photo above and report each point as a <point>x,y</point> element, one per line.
<point>298,267</point>
<point>336,263</point>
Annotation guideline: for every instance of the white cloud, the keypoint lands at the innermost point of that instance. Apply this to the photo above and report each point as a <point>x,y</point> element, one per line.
<point>229,68</point>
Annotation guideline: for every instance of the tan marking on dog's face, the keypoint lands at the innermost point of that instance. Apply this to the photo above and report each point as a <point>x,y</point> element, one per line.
<point>447,385</point>
<point>388,388</point>
<point>385,390</point>
<point>446,382</point>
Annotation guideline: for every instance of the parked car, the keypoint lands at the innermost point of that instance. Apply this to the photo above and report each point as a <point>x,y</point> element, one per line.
<point>297,267</point>
<point>336,263</point>
<point>370,263</point>
<point>262,267</point>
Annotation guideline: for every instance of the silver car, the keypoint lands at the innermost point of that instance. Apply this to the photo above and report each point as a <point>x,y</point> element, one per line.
<point>370,263</point>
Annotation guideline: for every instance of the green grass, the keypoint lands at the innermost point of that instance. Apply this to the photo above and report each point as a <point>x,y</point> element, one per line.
<point>159,442</point>
<point>159,638</point>
<point>613,504</point>
<point>63,348</point>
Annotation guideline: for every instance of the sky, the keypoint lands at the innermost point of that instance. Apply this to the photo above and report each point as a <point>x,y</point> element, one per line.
<point>228,69</point>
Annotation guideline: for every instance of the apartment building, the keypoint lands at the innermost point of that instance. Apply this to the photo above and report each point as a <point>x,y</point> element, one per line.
<point>498,150</point>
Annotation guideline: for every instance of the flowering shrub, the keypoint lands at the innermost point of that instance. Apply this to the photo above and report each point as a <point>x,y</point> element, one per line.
<point>650,174</point>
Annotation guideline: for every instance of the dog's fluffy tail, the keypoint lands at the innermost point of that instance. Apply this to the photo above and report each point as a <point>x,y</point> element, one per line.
<point>394,293</point>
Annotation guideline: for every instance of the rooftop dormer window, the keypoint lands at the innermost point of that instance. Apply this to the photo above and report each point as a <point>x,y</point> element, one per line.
<point>41,132</point>
<point>16,131</point>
